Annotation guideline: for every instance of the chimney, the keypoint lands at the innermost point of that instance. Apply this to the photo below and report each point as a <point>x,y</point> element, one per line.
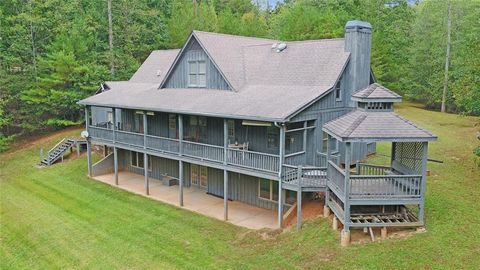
<point>358,41</point>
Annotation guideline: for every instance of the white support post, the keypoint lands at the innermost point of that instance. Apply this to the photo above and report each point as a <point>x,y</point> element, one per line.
<point>225,172</point>
<point>305,140</point>
<point>180,162</point>
<point>326,210</point>
<point>421,212</point>
<point>280,173</point>
<point>299,198</point>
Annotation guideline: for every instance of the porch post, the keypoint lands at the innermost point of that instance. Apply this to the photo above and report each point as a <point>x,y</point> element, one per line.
<point>89,146</point>
<point>145,156</point>
<point>225,172</point>
<point>114,118</point>
<point>421,212</point>
<point>180,162</point>
<point>115,164</point>
<point>345,237</point>
<point>280,173</point>
<point>305,140</point>
<point>299,198</point>
<point>326,209</point>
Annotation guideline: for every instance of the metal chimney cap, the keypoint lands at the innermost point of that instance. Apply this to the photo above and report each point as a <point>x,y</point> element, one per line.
<point>358,24</point>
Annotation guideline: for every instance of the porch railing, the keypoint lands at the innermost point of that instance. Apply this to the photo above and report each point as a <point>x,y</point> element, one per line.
<point>163,144</point>
<point>129,138</point>
<point>203,151</point>
<point>254,160</point>
<point>370,169</point>
<point>100,133</point>
<point>336,176</point>
<point>313,177</point>
<point>385,186</point>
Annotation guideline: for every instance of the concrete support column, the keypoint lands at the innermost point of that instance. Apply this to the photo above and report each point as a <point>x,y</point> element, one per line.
<point>225,194</point>
<point>384,232</point>
<point>335,223</point>
<point>280,173</point>
<point>345,238</point>
<point>326,210</point>
<point>115,164</point>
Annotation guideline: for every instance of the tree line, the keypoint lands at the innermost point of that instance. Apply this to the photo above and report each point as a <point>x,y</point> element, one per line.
<point>55,52</point>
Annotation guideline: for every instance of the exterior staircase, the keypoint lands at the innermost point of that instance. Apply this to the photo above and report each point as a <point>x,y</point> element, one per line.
<point>58,151</point>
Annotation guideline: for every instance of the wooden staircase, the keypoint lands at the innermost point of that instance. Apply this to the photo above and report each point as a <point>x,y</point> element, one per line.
<point>58,151</point>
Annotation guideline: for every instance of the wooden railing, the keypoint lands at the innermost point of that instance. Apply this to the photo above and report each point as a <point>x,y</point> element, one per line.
<point>163,144</point>
<point>336,176</point>
<point>385,186</point>
<point>295,158</point>
<point>370,169</point>
<point>129,138</point>
<point>100,133</point>
<point>309,177</point>
<point>254,160</point>
<point>203,151</point>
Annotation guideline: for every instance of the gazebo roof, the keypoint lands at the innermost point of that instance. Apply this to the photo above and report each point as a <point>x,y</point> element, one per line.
<point>376,93</point>
<point>362,126</point>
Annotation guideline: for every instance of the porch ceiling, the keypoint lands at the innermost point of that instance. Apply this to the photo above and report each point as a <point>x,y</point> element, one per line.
<point>196,200</point>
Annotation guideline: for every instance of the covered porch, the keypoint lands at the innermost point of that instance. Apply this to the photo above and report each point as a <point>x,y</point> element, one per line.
<point>196,200</point>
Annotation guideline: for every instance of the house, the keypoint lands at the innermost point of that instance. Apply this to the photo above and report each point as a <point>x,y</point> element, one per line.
<point>265,123</point>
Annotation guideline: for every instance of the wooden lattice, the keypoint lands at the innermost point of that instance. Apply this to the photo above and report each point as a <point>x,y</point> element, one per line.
<point>409,155</point>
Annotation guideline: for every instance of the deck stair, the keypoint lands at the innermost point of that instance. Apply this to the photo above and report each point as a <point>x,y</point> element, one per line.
<point>58,151</point>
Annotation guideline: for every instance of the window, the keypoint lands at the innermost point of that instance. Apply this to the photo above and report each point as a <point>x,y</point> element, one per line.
<point>231,129</point>
<point>268,189</point>
<point>138,122</point>
<point>110,116</point>
<point>338,91</point>
<point>197,73</point>
<point>272,137</point>
<point>172,126</point>
<point>325,141</point>
<point>199,175</point>
<point>136,160</point>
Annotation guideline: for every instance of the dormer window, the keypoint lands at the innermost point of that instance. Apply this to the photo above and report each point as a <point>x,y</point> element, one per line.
<point>338,91</point>
<point>197,73</point>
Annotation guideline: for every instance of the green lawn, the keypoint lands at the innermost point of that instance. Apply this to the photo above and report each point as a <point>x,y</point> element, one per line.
<point>57,218</point>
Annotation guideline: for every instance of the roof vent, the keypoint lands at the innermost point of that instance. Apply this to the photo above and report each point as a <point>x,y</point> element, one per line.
<point>159,72</point>
<point>281,47</point>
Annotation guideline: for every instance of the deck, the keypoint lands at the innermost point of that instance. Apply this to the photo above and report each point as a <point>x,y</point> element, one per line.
<point>196,200</point>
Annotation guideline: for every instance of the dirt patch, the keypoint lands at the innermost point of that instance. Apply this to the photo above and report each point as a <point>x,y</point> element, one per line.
<point>311,209</point>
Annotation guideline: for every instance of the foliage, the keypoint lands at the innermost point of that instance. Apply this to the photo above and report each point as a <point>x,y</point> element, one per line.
<point>54,52</point>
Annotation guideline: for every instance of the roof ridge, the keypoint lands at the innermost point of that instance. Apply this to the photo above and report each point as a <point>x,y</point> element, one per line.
<point>355,124</point>
<point>231,35</point>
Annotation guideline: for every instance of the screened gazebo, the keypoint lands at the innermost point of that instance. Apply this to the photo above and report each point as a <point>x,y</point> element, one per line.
<point>363,195</point>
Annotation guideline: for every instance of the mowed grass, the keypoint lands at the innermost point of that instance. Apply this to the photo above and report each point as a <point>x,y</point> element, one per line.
<point>56,217</point>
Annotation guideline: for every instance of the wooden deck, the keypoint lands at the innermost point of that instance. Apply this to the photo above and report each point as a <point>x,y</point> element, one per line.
<point>196,200</point>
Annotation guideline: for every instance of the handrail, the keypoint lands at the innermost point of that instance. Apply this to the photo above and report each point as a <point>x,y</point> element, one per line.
<point>56,145</point>
<point>336,167</point>
<point>295,154</point>
<point>160,137</point>
<point>385,176</point>
<point>253,152</point>
<point>92,126</point>
<point>203,144</point>
<point>374,165</point>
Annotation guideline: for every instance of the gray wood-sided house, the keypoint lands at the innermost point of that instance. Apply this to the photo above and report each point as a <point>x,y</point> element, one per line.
<point>264,122</point>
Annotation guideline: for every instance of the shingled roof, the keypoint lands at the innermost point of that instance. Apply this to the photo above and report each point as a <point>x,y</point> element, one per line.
<point>376,92</point>
<point>268,86</point>
<point>375,126</point>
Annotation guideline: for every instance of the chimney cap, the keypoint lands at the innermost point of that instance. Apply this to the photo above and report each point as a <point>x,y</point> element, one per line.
<point>358,25</point>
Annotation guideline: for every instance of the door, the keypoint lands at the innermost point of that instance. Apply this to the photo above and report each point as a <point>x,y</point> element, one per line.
<point>199,175</point>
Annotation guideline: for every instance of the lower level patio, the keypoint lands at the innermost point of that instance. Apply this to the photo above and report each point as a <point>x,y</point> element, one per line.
<point>196,200</point>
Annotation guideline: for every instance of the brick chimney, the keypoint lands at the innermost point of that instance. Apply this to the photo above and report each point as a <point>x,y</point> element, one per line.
<point>358,41</point>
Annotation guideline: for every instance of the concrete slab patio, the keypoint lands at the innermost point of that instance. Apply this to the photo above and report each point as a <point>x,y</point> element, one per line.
<point>195,199</point>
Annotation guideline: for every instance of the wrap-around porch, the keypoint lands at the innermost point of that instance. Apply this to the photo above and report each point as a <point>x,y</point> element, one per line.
<point>196,200</point>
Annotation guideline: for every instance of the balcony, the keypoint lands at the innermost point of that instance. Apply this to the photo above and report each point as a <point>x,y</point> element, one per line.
<point>242,159</point>
<point>369,184</point>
